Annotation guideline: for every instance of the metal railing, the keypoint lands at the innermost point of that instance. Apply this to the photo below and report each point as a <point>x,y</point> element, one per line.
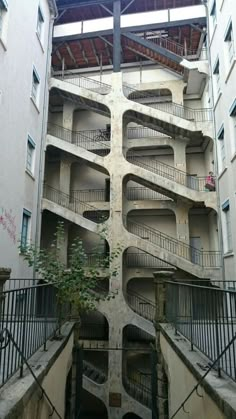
<point>141,305</point>
<point>135,335</point>
<point>144,132</point>
<point>143,260</point>
<point>206,259</point>
<point>31,315</point>
<point>138,385</point>
<point>172,46</point>
<point>84,82</point>
<point>140,193</point>
<point>89,140</point>
<point>73,204</point>
<point>89,195</point>
<point>169,172</point>
<point>93,331</point>
<point>206,316</point>
<point>151,99</point>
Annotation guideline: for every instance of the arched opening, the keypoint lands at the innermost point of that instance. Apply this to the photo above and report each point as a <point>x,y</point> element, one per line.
<point>92,407</point>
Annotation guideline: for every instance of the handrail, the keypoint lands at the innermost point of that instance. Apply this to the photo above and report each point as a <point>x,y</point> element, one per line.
<point>205,259</point>
<point>79,138</point>
<point>183,178</point>
<point>84,82</point>
<point>133,193</point>
<point>141,305</point>
<point>150,99</point>
<point>138,387</point>
<point>143,260</point>
<point>71,203</point>
<point>173,46</point>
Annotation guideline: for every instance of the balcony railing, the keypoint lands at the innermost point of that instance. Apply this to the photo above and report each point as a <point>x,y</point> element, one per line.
<point>89,195</point>
<point>134,193</point>
<point>206,316</point>
<point>140,193</point>
<point>151,99</point>
<point>31,315</point>
<point>141,305</point>
<point>169,172</point>
<point>73,204</point>
<point>89,140</point>
<point>94,331</point>
<point>84,82</point>
<point>206,259</point>
<point>144,132</point>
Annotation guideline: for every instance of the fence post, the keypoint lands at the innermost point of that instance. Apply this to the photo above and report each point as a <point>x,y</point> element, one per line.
<point>160,278</point>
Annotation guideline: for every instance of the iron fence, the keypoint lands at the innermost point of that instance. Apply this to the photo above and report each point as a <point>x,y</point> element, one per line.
<point>206,316</point>
<point>73,204</point>
<point>89,140</point>
<point>141,305</point>
<point>151,99</point>
<point>32,315</point>
<point>206,259</point>
<point>84,82</point>
<point>169,172</point>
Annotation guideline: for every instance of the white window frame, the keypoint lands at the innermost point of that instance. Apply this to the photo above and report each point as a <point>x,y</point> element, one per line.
<point>216,74</point>
<point>3,13</point>
<point>232,114</point>
<point>30,155</point>
<point>227,230</point>
<point>213,13</point>
<point>221,139</point>
<point>229,42</point>
<point>35,86</point>
<point>25,229</point>
<point>40,24</point>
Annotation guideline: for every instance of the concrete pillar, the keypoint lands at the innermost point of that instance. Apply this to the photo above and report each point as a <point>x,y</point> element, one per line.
<point>68,112</point>
<point>178,94</point>
<point>182,221</point>
<point>64,177</point>
<point>160,277</point>
<point>180,155</point>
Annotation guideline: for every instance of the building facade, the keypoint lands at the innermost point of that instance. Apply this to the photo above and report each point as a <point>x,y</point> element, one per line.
<point>25,52</point>
<point>221,15</point>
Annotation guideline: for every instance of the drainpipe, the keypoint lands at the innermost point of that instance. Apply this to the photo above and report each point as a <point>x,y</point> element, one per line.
<point>43,131</point>
<point>219,220</point>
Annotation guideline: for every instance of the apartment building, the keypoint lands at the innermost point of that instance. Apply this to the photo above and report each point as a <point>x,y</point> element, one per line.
<point>25,56</point>
<point>221,15</point>
<point>130,146</point>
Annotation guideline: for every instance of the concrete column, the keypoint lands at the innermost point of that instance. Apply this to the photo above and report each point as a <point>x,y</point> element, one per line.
<point>64,244</point>
<point>67,118</point>
<point>180,155</point>
<point>178,94</point>
<point>160,276</point>
<point>182,221</point>
<point>64,177</point>
<point>5,274</point>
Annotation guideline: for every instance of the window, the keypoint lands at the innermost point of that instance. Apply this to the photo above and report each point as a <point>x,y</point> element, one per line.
<point>232,113</point>
<point>35,86</point>
<point>213,13</point>
<point>229,41</point>
<point>30,155</point>
<point>216,73</point>
<point>25,230</point>
<point>227,232</point>
<point>40,22</point>
<point>3,10</point>
<point>221,138</point>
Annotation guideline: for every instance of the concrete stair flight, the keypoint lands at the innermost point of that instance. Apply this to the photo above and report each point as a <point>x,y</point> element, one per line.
<point>203,264</point>
<point>94,373</point>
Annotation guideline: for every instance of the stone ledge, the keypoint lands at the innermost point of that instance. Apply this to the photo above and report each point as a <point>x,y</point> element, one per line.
<point>16,393</point>
<point>221,390</point>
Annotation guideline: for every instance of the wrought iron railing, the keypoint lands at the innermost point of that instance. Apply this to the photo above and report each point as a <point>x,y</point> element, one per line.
<point>141,305</point>
<point>206,259</point>
<point>84,82</point>
<point>144,132</point>
<point>143,260</point>
<point>89,140</point>
<point>73,204</point>
<point>138,385</point>
<point>134,335</point>
<point>31,315</point>
<point>169,172</point>
<point>89,195</point>
<point>172,46</point>
<point>206,316</point>
<point>93,331</point>
<point>150,99</point>
<point>140,193</point>
<point>94,373</point>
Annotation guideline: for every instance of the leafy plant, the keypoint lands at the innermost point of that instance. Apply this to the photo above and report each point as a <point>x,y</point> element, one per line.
<point>78,284</point>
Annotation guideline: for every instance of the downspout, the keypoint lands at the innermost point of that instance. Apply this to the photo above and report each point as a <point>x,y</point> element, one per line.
<point>54,14</point>
<point>219,221</point>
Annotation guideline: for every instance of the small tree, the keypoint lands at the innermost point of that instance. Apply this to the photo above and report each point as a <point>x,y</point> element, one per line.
<point>77,284</point>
